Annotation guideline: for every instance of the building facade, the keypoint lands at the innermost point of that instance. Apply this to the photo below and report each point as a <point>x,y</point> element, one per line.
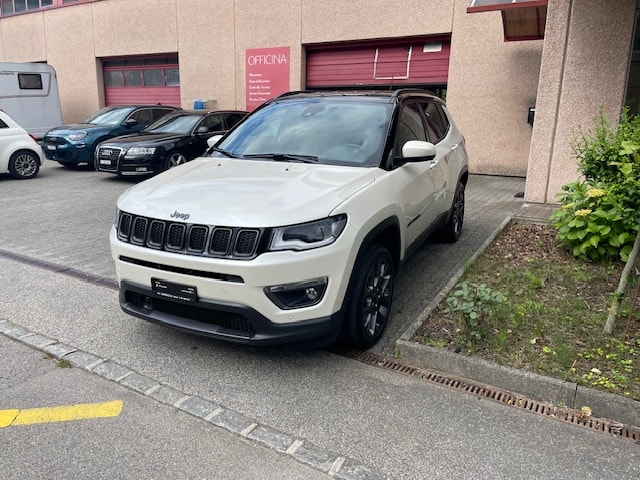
<point>233,54</point>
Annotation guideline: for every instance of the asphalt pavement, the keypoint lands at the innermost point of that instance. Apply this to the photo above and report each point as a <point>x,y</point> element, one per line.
<point>198,408</point>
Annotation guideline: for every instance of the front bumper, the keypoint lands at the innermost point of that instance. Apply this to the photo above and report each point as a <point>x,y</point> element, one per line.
<point>231,302</point>
<point>227,321</point>
<point>66,152</point>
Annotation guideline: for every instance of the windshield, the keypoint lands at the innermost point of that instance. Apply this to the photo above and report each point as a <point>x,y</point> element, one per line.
<point>322,130</point>
<point>108,116</point>
<point>174,124</point>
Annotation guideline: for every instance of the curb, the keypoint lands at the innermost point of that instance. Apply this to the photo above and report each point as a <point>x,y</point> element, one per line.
<point>537,387</point>
<point>328,462</point>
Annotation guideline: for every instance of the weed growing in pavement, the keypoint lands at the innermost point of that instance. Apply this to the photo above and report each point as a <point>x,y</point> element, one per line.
<point>551,317</point>
<point>63,363</point>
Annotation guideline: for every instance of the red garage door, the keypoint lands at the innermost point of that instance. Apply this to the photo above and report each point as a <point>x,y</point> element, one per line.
<point>142,80</point>
<point>408,61</point>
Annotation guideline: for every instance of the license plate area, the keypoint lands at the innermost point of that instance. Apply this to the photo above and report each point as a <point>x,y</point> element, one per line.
<point>175,291</point>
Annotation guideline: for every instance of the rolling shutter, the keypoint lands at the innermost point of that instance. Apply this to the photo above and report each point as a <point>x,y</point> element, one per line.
<point>415,61</point>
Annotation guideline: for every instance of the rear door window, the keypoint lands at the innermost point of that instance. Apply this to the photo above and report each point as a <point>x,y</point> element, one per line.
<point>437,122</point>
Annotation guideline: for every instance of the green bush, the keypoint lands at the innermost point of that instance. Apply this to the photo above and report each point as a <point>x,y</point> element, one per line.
<point>598,218</point>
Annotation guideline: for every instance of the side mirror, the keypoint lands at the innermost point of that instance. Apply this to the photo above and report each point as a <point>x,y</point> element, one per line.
<point>213,140</point>
<point>130,122</point>
<point>416,151</point>
<point>201,130</point>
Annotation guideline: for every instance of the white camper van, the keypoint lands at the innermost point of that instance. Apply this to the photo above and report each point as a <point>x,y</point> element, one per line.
<point>29,93</point>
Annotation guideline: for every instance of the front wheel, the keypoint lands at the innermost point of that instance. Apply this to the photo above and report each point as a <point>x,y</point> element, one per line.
<point>369,300</point>
<point>24,164</point>
<point>174,159</point>
<point>452,230</point>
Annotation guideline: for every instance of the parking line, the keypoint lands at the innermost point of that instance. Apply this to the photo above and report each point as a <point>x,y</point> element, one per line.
<point>82,411</point>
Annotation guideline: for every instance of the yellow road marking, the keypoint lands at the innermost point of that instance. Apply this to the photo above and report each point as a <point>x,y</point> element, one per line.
<point>66,413</point>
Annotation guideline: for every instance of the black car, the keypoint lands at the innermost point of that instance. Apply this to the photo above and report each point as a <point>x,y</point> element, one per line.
<point>173,140</point>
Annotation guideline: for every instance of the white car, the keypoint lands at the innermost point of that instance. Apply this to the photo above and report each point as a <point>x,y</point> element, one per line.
<point>294,225</point>
<point>20,154</point>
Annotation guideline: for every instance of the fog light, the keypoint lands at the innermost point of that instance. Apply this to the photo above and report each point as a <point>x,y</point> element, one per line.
<point>299,294</point>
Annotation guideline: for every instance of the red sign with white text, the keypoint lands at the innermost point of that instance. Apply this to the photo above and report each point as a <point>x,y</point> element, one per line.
<point>267,74</point>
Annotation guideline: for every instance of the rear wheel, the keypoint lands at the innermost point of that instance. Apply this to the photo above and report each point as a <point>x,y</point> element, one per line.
<point>24,164</point>
<point>174,159</point>
<point>452,230</point>
<point>369,301</point>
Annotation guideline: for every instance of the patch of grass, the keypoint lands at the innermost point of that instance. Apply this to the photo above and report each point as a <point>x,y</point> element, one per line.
<point>63,363</point>
<point>551,316</point>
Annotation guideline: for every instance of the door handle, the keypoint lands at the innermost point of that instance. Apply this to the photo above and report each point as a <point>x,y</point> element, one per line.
<point>433,164</point>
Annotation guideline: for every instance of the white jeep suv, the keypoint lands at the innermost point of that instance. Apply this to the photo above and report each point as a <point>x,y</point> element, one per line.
<point>294,225</point>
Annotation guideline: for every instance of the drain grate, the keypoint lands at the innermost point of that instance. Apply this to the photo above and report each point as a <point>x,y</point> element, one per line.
<point>564,414</point>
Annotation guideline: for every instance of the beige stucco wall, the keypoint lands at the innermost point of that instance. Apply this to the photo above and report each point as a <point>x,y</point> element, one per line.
<point>584,67</point>
<point>492,84</point>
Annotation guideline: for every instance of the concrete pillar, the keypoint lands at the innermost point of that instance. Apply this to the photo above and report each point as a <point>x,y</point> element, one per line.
<point>584,67</point>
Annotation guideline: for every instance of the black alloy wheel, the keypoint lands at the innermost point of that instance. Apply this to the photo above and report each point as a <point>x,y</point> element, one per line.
<point>369,301</point>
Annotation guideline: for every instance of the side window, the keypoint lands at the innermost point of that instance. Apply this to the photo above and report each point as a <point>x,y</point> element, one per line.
<point>214,122</point>
<point>233,118</point>
<point>410,127</point>
<point>3,125</point>
<point>437,122</point>
<point>160,112</point>
<point>143,116</point>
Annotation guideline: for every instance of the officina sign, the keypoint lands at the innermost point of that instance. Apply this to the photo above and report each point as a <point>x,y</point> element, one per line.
<point>267,74</point>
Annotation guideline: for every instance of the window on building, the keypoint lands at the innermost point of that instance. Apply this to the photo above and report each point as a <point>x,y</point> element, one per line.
<point>10,7</point>
<point>156,71</point>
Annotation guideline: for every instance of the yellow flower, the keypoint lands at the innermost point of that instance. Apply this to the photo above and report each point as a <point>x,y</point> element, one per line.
<point>595,192</point>
<point>582,213</point>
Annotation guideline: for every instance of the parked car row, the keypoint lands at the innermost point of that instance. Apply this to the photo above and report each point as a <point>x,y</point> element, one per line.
<point>123,139</point>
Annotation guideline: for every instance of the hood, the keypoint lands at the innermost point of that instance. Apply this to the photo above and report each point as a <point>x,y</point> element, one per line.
<point>87,127</point>
<point>144,139</point>
<point>245,193</point>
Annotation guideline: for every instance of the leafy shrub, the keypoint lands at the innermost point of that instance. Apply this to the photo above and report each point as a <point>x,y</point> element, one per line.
<point>473,299</point>
<point>598,218</point>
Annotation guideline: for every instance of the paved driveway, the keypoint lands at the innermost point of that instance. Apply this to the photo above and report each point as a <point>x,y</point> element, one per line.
<point>398,425</point>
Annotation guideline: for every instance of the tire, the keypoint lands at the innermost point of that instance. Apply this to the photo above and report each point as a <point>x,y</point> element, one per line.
<point>369,299</point>
<point>24,164</point>
<point>174,159</point>
<point>453,228</point>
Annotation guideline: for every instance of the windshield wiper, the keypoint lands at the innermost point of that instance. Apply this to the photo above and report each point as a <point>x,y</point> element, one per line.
<point>225,153</point>
<point>284,157</point>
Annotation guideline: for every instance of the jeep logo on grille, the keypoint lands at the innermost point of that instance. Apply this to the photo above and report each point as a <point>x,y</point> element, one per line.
<point>180,216</point>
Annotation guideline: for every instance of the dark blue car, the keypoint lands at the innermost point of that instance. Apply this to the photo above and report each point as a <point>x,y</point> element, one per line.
<point>70,145</point>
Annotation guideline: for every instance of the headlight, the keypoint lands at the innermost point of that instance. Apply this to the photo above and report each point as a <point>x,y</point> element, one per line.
<point>306,236</point>
<point>77,136</point>
<point>140,151</point>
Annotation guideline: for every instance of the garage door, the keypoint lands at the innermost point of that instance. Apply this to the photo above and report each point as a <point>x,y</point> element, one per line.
<point>409,61</point>
<point>142,80</point>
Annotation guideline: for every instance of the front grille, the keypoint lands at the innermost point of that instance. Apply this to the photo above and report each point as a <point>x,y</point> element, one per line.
<point>58,141</point>
<point>108,157</point>
<point>191,239</point>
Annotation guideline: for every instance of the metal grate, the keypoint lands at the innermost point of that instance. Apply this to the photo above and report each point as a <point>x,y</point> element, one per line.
<point>564,414</point>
